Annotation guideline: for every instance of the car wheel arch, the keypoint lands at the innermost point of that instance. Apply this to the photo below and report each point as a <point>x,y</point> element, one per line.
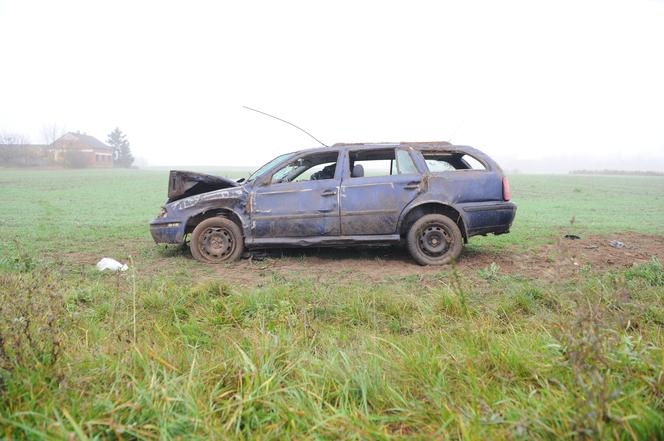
<point>414,212</point>
<point>200,216</point>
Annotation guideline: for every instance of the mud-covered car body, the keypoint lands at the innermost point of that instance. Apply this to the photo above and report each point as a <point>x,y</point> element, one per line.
<point>341,204</point>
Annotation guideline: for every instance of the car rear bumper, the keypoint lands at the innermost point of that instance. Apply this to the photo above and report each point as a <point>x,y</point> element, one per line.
<point>167,231</point>
<point>488,217</point>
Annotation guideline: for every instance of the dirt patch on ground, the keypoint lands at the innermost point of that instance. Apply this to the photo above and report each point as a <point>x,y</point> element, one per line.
<point>567,257</point>
<point>562,259</point>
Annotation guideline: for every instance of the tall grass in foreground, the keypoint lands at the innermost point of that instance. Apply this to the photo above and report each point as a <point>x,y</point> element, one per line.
<point>484,356</point>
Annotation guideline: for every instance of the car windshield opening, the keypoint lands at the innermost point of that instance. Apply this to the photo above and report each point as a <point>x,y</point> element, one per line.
<point>268,166</point>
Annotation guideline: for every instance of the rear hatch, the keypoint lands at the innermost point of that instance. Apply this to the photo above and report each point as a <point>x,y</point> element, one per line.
<point>182,184</point>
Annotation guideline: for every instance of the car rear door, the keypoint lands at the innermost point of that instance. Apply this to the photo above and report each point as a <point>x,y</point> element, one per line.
<point>371,204</point>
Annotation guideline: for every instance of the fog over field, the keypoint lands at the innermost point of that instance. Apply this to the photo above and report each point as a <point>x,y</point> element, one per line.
<point>542,86</point>
<point>361,293</point>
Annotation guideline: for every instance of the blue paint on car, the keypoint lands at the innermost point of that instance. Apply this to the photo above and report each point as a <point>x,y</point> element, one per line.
<point>343,195</point>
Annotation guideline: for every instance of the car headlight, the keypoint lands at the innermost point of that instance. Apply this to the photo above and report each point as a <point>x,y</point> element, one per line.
<point>162,212</point>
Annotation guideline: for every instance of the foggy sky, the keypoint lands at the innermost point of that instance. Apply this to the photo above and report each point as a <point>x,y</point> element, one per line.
<point>530,82</point>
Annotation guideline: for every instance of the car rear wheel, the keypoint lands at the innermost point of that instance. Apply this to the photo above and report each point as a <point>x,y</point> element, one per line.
<point>217,240</point>
<point>434,239</point>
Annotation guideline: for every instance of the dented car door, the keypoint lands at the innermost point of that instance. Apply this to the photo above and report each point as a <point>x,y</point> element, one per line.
<point>304,208</point>
<point>372,204</point>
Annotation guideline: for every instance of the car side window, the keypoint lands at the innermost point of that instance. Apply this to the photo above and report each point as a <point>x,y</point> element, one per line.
<point>405,163</point>
<point>451,161</point>
<point>372,163</point>
<point>438,165</point>
<point>473,163</point>
<point>314,167</point>
<point>317,172</point>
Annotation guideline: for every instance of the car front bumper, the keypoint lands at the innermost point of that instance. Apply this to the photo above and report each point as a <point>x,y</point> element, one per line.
<point>165,230</point>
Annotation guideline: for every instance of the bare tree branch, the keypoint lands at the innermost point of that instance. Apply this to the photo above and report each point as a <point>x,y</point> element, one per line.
<point>51,132</point>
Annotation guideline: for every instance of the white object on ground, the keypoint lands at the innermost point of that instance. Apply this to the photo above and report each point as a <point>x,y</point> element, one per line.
<point>110,264</point>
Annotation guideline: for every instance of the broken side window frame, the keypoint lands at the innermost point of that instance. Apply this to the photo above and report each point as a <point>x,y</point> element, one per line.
<point>424,154</point>
<point>347,172</point>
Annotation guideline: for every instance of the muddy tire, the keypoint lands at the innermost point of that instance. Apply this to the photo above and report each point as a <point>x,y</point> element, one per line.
<point>434,239</point>
<point>217,240</point>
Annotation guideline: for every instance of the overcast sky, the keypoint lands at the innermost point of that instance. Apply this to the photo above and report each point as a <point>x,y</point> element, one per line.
<point>528,81</point>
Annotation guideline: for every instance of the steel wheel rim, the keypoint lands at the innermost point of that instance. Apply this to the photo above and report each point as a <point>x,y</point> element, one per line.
<point>434,240</point>
<point>216,243</point>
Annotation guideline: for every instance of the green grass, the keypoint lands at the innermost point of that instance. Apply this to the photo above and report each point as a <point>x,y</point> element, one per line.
<point>76,211</point>
<point>173,350</point>
<point>598,203</point>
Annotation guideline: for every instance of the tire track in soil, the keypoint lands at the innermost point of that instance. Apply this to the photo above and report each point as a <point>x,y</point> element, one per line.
<point>562,259</point>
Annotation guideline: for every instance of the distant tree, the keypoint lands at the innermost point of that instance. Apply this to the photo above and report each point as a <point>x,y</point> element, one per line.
<point>12,149</point>
<point>13,139</point>
<point>121,152</point>
<point>51,132</point>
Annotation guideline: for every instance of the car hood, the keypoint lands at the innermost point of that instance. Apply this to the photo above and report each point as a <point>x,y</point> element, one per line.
<point>182,184</point>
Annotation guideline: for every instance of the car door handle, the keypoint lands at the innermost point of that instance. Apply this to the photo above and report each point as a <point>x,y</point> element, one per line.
<point>329,193</point>
<point>412,185</point>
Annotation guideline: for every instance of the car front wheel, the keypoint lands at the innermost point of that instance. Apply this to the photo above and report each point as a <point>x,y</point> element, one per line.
<point>434,239</point>
<point>217,240</point>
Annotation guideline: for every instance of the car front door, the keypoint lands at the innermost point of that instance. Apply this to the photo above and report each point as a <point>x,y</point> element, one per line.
<point>376,186</point>
<point>300,199</point>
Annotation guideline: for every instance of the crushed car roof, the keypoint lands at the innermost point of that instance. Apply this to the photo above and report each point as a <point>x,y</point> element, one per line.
<point>420,145</point>
<point>394,144</point>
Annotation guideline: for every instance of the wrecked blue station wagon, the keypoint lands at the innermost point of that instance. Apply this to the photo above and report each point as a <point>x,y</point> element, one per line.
<point>430,196</point>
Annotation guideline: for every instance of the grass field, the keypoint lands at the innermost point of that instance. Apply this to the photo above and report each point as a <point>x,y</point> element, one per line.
<point>529,337</point>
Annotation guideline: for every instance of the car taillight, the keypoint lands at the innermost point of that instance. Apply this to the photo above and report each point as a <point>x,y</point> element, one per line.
<point>506,189</point>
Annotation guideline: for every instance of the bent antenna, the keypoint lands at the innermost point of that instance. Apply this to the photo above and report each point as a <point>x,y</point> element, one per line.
<point>289,123</point>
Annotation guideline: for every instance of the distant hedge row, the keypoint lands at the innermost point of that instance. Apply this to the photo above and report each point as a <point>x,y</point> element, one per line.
<point>616,172</point>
